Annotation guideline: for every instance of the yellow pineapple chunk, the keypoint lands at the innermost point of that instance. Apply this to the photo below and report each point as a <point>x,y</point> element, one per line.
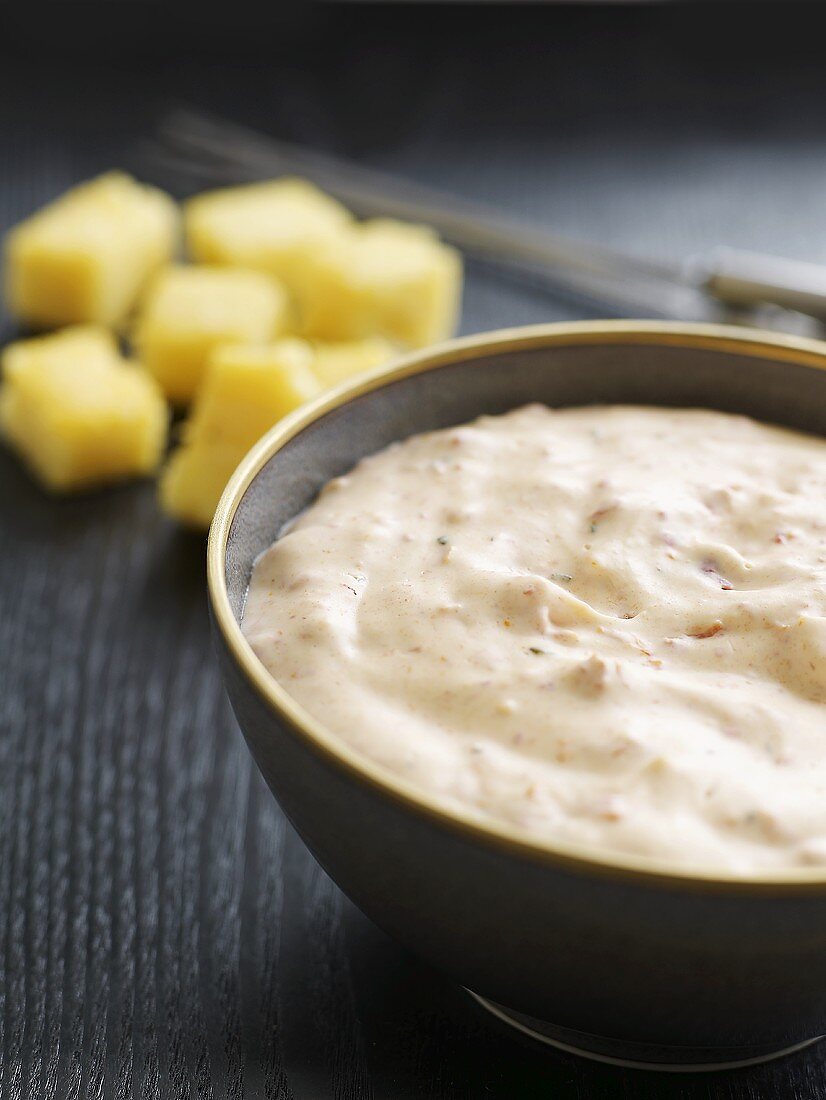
<point>77,413</point>
<point>78,343</point>
<point>193,480</point>
<point>189,311</point>
<point>382,278</point>
<point>246,389</point>
<point>87,256</point>
<point>272,226</point>
<point>337,363</point>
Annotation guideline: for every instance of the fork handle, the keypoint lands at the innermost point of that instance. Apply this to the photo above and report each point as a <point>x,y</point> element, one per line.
<point>745,279</point>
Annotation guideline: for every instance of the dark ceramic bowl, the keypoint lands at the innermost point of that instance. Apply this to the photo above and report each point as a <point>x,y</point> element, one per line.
<point>622,957</point>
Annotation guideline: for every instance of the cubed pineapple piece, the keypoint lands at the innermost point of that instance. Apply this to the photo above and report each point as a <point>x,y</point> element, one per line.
<point>272,226</point>
<point>87,256</point>
<point>246,389</point>
<point>189,311</point>
<point>382,278</point>
<point>193,480</point>
<point>77,413</point>
<point>73,345</point>
<point>337,363</point>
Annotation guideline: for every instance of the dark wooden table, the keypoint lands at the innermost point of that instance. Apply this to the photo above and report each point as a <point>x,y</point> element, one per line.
<point>163,932</point>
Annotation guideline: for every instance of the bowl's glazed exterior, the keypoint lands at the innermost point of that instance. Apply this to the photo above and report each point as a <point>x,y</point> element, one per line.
<point>695,966</point>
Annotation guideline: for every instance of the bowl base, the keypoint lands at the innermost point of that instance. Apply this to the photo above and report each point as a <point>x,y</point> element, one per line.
<point>615,1052</point>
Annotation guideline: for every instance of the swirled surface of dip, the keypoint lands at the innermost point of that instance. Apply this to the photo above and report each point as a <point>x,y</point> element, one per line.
<point>606,626</point>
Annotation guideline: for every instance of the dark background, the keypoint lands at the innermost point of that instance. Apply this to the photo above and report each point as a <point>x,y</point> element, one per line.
<point>162,930</point>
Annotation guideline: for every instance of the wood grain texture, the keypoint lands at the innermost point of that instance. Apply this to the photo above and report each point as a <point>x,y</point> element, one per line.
<point>163,932</point>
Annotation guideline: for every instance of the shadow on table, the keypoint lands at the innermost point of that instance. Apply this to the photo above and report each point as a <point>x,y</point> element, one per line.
<point>425,1038</point>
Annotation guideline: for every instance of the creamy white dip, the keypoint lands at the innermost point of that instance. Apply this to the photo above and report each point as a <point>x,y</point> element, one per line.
<point>606,626</point>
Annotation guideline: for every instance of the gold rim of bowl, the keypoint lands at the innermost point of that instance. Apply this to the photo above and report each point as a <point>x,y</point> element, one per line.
<point>508,838</point>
